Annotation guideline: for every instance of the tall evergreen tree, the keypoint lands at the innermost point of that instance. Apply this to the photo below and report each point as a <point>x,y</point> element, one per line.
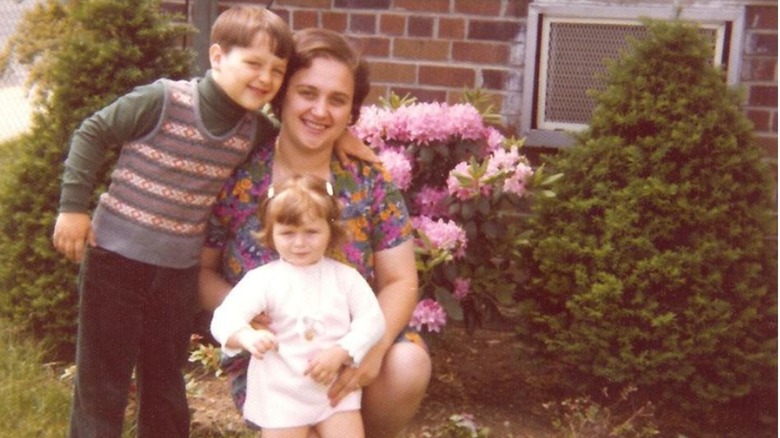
<point>82,54</point>
<point>655,265</point>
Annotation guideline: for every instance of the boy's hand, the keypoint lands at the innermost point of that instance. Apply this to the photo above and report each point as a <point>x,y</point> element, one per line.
<point>72,232</point>
<point>348,145</point>
<point>326,364</point>
<point>256,342</point>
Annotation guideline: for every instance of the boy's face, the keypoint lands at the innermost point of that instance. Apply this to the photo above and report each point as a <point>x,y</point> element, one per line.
<point>304,244</point>
<point>252,75</point>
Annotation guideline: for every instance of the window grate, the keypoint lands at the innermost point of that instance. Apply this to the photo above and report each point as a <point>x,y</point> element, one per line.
<point>569,41</point>
<point>574,57</point>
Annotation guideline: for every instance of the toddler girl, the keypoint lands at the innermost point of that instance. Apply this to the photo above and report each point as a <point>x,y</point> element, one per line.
<point>323,316</point>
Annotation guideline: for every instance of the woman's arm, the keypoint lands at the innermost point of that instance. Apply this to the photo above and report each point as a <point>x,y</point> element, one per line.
<point>396,283</point>
<point>212,287</point>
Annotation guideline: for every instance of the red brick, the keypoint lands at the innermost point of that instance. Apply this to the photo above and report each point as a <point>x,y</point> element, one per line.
<point>763,95</point>
<point>761,119</point>
<point>372,46</point>
<point>517,8</point>
<point>759,69</point>
<point>493,30</point>
<point>446,76</point>
<point>304,19</point>
<point>420,27</point>
<point>762,44</point>
<point>362,23</point>
<point>762,17</point>
<point>375,93</point>
<point>393,72</point>
<point>334,21</point>
<point>481,7</point>
<point>311,4</point>
<point>493,79</point>
<point>363,4</point>
<point>423,5</point>
<point>420,49</point>
<point>486,53</point>
<point>452,28</point>
<point>392,24</point>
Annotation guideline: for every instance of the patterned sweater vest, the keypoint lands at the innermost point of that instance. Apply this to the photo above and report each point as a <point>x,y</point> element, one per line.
<point>164,184</point>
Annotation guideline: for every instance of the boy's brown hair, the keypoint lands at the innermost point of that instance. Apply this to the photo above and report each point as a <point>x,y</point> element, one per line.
<point>237,27</point>
<point>290,203</point>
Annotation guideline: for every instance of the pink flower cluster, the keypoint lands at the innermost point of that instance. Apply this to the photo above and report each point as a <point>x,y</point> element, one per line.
<point>430,201</point>
<point>429,314</point>
<point>443,235</point>
<point>420,123</point>
<point>506,167</point>
<point>399,166</point>
<point>462,288</point>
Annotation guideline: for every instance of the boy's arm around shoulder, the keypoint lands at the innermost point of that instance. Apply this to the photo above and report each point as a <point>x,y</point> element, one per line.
<point>348,145</point>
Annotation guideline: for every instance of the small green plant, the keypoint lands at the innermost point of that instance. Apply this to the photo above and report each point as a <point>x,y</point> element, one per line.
<point>582,417</point>
<point>458,426</point>
<point>207,355</point>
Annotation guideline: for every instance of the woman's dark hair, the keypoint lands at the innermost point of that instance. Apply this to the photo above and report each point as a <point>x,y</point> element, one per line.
<point>313,43</point>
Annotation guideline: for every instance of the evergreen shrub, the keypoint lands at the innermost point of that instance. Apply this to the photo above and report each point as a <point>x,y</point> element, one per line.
<point>655,265</point>
<point>82,54</point>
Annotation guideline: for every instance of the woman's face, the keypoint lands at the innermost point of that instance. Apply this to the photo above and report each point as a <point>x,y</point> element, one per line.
<point>317,105</point>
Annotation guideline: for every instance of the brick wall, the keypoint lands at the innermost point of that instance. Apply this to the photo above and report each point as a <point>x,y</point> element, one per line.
<point>759,73</point>
<point>432,49</point>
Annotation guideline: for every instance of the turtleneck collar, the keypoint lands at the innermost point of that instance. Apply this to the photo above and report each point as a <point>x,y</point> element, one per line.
<point>218,111</point>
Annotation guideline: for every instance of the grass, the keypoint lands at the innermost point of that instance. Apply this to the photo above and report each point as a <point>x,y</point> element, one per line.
<point>33,401</point>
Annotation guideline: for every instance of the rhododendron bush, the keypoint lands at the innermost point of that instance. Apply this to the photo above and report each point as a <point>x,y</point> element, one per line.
<point>464,183</point>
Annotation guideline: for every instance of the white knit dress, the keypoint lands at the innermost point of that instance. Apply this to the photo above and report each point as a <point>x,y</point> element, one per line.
<point>328,300</point>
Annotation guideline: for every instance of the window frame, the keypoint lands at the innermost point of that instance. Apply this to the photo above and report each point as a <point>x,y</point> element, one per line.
<point>540,15</point>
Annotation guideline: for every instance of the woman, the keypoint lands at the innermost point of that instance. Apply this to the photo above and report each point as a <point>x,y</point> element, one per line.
<point>324,90</point>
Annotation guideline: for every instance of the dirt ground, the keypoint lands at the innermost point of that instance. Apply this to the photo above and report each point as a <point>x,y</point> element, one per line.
<point>479,375</point>
<point>485,375</point>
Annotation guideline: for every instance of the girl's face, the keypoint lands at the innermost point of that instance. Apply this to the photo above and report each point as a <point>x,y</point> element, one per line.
<point>304,244</point>
<point>251,76</point>
<point>317,105</point>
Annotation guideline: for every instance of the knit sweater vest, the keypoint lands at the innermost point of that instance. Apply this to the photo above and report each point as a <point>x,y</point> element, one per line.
<point>164,184</point>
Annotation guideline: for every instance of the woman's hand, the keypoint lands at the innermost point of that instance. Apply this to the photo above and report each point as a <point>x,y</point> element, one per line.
<point>354,378</point>
<point>326,364</point>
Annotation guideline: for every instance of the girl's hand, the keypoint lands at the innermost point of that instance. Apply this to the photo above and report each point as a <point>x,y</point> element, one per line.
<point>257,342</point>
<point>326,364</point>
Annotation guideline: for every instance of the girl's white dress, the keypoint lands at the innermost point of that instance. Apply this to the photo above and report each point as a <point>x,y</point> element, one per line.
<point>312,308</point>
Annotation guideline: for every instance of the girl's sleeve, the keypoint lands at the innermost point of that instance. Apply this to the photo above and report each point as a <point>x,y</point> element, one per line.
<point>246,300</point>
<point>368,321</point>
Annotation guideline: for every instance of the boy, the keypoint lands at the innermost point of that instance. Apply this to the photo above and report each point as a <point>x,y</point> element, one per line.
<point>138,282</point>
